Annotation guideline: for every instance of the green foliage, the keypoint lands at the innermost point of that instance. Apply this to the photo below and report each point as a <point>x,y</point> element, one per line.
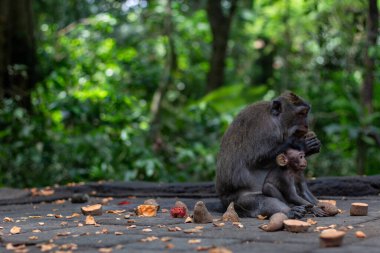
<point>102,61</point>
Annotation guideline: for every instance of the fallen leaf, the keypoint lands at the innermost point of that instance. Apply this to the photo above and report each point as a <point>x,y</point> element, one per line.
<point>360,234</point>
<point>90,220</point>
<point>218,224</point>
<point>50,215</point>
<point>73,216</point>
<point>123,203</point>
<point>8,219</point>
<point>41,223</point>
<point>15,230</point>
<point>105,250</point>
<point>16,248</point>
<point>105,201</point>
<point>46,246</point>
<point>166,239</point>
<point>169,246</point>
<point>203,248</point>
<point>194,241</point>
<point>261,217</point>
<point>311,221</point>
<point>174,229</point>
<point>238,224</point>
<point>119,233</point>
<point>189,220</point>
<point>33,237</point>
<point>219,250</point>
<point>58,216</point>
<point>65,233</point>
<point>36,231</point>
<point>59,201</point>
<point>35,216</point>
<point>131,226</point>
<point>80,224</point>
<point>147,230</point>
<point>68,246</point>
<point>116,211</point>
<point>350,227</point>
<point>192,230</point>
<point>149,239</point>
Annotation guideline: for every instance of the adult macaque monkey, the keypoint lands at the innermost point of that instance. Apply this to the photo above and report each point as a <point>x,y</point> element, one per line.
<point>249,147</point>
<point>287,183</point>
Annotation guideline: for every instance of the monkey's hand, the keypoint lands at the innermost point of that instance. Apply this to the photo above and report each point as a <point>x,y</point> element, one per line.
<point>297,212</point>
<point>313,145</point>
<point>318,212</point>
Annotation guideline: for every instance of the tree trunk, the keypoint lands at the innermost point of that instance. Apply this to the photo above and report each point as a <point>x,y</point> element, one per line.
<point>369,60</point>
<point>17,51</point>
<point>220,27</point>
<point>166,78</point>
<point>368,82</point>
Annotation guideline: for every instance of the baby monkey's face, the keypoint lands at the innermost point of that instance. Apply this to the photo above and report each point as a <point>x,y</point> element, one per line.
<point>296,159</point>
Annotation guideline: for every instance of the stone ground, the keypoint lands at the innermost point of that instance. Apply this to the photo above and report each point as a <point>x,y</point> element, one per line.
<point>46,223</point>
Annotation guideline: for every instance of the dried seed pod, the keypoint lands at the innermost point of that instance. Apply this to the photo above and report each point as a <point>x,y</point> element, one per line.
<point>201,214</point>
<point>230,214</point>
<point>296,226</point>
<point>92,210</point>
<point>276,222</point>
<point>152,202</point>
<point>329,208</point>
<point>331,238</point>
<point>359,209</point>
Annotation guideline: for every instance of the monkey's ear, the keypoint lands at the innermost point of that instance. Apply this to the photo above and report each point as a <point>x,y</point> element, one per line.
<point>276,108</point>
<point>281,160</point>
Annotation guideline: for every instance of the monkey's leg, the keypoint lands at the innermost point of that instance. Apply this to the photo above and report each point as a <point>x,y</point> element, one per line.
<point>271,191</point>
<point>251,204</point>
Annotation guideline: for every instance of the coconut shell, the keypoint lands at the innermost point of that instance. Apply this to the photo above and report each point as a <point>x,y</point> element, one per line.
<point>276,222</point>
<point>359,209</point>
<point>329,208</point>
<point>296,226</point>
<point>92,210</point>
<point>331,238</point>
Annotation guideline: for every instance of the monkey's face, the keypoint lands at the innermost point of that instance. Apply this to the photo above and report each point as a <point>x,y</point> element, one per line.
<point>296,159</point>
<point>292,112</point>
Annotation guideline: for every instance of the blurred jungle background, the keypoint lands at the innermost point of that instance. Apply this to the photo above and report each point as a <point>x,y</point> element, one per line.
<point>143,90</point>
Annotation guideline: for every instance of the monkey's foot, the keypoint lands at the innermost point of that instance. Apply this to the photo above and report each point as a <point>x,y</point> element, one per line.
<point>297,212</point>
<point>318,212</point>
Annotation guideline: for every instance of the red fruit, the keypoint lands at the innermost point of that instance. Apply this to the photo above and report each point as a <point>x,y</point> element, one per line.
<point>178,212</point>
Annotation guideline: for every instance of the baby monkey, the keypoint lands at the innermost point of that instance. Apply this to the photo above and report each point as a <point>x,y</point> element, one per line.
<point>287,182</point>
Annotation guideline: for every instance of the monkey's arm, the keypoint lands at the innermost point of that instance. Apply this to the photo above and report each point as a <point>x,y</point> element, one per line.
<point>304,190</point>
<point>292,196</point>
